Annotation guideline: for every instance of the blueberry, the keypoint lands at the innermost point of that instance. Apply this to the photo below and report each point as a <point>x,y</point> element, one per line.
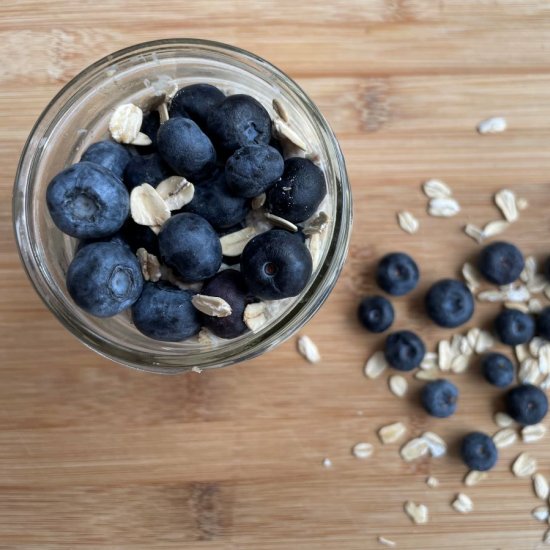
<point>375,313</point>
<point>87,201</point>
<point>214,202</point>
<point>449,303</point>
<point>275,265</point>
<point>117,238</point>
<point>185,148</point>
<point>397,274</point>
<point>109,154</point>
<point>299,192</point>
<point>439,398</point>
<point>404,350</point>
<point>149,169</point>
<point>237,121</point>
<point>140,236</point>
<point>104,278</point>
<point>526,404</point>
<point>195,102</point>
<point>229,285</point>
<point>478,451</point>
<point>165,312</point>
<point>253,169</point>
<point>498,369</point>
<point>543,323</point>
<point>189,244</point>
<point>514,327</point>
<point>501,263</point>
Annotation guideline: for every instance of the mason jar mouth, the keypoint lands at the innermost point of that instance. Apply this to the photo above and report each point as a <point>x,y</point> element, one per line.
<point>74,116</point>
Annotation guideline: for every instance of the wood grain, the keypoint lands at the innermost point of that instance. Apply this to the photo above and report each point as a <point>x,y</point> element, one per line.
<point>96,456</point>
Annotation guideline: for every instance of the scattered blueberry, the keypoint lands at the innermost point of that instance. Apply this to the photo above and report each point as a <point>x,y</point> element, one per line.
<point>478,451</point>
<point>189,244</point>
<point>140,236</point>
<point>164,312</point>
<point>376,313</point>
<point>501,263</point>
<point>87,201</point>
<point>195,102</point>
<point>185,148</point>
<point>237,121</point>
<point>214,201</point>
<point>104,278</point>
<point>253,169</point>
<point>275,265</point>
<point>397,274</point>
<point>513,327</point>
<point>498,370</point>
<point>439,398</point>
<point>404,350</point>
<point>230,286</point>
<point>109,154</point>
<point>449,303</point>
<point>299,192</point>
<point>149,169</point>
<point>526,404</point>
<point>543,323</point>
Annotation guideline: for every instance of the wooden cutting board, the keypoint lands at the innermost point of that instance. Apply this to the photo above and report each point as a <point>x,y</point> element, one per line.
<point>96,456</point>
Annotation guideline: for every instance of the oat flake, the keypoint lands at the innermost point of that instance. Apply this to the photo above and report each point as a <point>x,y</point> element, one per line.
<point>463,504</point>
<point>362,450</point>
<point>392,433</point>
<point>308,349</point>
<point>398,385</point>
<point>418,513</point>
<point>505,437</point>
<point>502,420</point>
<point>407,222</point>
<point>524,465</point>
<point>375,365</point>
<point>473,477</point>
<point>436,189</point>
<point>533,433</point>
<point>414,449</point>
<point>492,125</point>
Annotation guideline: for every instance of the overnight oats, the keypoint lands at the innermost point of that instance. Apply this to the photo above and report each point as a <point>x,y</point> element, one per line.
<point>194,214</point>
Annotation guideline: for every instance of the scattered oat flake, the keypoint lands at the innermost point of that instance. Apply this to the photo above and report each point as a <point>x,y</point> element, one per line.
<point>432,482</point>
<point>484,342</point>
<point>413,449</point>
<point>125,123</point>
<point>386,542</point>
<point>522,352</point>
<point>535,345</point>
<point>391,433</point>
<point>436,189</point>
<point>507,204</point>
<point>522,203</point>
<point>524,465</point>
<point>534,306</point>
<point>407,222</point>
<point>492,125</point>
<point>471,275</point>
<point>233,243</point>
<point>502,420</point>
<point>254,316</point>
<point>529,371</point>
<point>147,207</point>
<point>540,513</point>
<point>213,306</point>
<point>473,477</point>
<point>427,374</point>
<point>474,232</point>
<point>444,355</point>
<point>533,433</point>
<point>436,445</point>
<point>520,306</point>
<point>308,349</point>
<point>418,513</point>
<point>496,227</point>
<point>327,463</point>
<point>537,284</point>
<point>198,370</point>
<point>459,364</point>
<point>398,385</point>
<point>463,504</point>
<point>540,486</point>
<point>491,296</point>
<point>516,293</point>
<point>443,207</point>
<point>279,108</point>
<point>505,437</point>
<point>375,365</point>
<point>429,361</point>
<point>362,450</point>
<point>472,336</point>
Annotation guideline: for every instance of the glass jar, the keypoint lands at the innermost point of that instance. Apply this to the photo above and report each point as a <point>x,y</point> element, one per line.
<point>78,115</point>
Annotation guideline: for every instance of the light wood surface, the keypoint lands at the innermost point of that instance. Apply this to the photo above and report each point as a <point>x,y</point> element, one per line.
<point>96,456</point>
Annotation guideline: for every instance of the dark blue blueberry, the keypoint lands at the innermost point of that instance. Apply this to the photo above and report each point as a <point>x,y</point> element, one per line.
<point>237,121</point>
<point>275,265</point>
<point>404,350</point>
<point>117,238</point>
<point>397,274</point>
<point>109,154</point>
<point>543,323</point>
<point>149,169</point>
<point>514,327</point>
<point>375,313</point>
<point>252,170</point>
<point>526,404</point>
<point>449,303</point>
<point>195,102</point>
<point>214,202</point>
<point>140,236</point>
<point>299,192</point>
<point>498,369</point>
<point>87,201</point>
<point>185,148</point>
<point>439,398</point>
<point>501,263</point>
<point>104,278</point>
<point>165,312</point>
<point>189,244</point>
<point>478,451</point>
<point>230,286</point>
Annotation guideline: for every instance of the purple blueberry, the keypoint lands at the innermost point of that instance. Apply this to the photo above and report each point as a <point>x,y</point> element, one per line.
<point>478,451</point>
<point>140,236</point>
<point>404,350</point>
<point>501,263</point>
<point>299,192</point>
<point>87,201</point>
<point>375,313</point>
<point>276,264</point>
<point>195,102</point>
<point>149,169</point>
<point>513,327</point>
<point>449,303</point>
<point>165,312</point>
<point>397,274</point>
<point>104,278</point>
<point>543,323</point>
<point>526,404</point>
<point>439,398</point>
<point>498,370</point>
<point>109,154</point>
<point>189,244</point>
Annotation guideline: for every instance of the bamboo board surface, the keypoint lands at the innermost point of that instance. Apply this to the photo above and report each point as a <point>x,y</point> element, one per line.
<point>96,456</point>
